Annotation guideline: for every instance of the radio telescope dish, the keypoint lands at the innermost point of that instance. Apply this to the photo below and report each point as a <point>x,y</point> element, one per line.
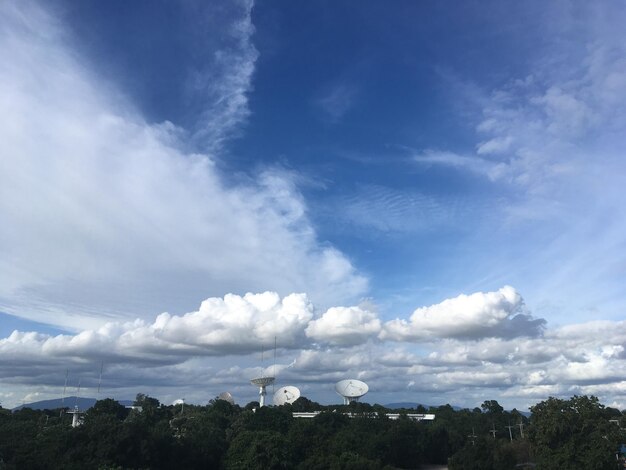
<point>226,396</point>
<point>180,401</point>
<point>287,394</point>
<point>351,390</point>
<point>262,382</point>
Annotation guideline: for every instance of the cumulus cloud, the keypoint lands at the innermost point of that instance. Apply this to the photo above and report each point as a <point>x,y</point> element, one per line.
<point>313,349</point>
<point>175,355</point>
<point>232,324</point>
<point>344,325</point>
<point>467,316</point>
<point>106,218</point>
<point>235,322</point>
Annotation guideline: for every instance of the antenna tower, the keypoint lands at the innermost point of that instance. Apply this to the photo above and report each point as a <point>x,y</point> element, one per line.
<point>63,396</point>
<point>274,365</point>
<point>262,382</point>
<point>76,421</point>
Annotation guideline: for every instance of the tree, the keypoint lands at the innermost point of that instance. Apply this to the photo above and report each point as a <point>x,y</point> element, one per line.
<point>492,407</point>
<point>484,454</point>
<point>303,404</point>
<point>259,449</point>
<point>107,407</point>
<point>573,434</point>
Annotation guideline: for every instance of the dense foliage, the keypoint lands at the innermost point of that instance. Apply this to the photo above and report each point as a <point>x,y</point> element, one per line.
<point>576,433</point>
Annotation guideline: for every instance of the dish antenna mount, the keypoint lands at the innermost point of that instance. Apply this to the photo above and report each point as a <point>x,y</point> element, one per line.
<point>262,382</point>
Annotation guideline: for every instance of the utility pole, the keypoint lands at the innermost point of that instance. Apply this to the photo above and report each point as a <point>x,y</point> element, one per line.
<point>521,428</point>
<point>473,437</point>
<point>509,427</point>
<point>493,430</point>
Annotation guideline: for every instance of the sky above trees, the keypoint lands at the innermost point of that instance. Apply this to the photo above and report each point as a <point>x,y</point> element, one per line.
<point>424,196</point>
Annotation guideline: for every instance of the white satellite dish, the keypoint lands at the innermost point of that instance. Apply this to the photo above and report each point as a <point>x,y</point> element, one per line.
<point>351,390</point>
<point>262,382</point>
<point>180,401</point>
<point>226,396</point>
<point>287,394</point>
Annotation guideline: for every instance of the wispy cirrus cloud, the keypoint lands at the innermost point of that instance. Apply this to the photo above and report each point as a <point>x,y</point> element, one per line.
<point>337,99</point>
<point>475,164</point>
<point>222,79</point>
<point>109,217</point>
<point>547,143</point>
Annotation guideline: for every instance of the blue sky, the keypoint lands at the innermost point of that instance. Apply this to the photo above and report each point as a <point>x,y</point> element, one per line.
<point>425,195</point>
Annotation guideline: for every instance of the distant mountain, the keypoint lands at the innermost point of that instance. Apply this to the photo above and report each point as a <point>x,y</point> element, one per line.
<point>408,405</point>
<point>69,402</point>
<point>411,405</point>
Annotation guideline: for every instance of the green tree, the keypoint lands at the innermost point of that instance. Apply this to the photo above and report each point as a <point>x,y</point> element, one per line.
<point>107,407</point>
<point>492,407</point>
<point>574,434</point>
<point>259,449</point>
<point>484,453</point>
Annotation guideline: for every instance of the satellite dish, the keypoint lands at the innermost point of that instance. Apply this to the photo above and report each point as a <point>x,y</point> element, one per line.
<point>351,390</point>
<point>262,382</point>
<point>226,396</point>
<point>287,394</point>
<point>180,401</point>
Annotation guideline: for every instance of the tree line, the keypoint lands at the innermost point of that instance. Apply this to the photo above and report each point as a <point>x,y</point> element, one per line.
<point>579,433</point>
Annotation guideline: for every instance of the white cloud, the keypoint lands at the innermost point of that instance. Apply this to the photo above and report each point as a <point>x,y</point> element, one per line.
<point>497,145</point>
<point>445,158</point>
<point>232,324</point>
<point>567,114</point>
<point>238,322</point>
<point>223,79</point>
<point>338,99</point>
<point>104,217</point>
<point>175,355</point>
<point>548,144</point>
<point>476,315</point>
<point>344,326</point>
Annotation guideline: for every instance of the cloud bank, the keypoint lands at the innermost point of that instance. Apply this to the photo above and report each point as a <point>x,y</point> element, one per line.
<point>175,354</point>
